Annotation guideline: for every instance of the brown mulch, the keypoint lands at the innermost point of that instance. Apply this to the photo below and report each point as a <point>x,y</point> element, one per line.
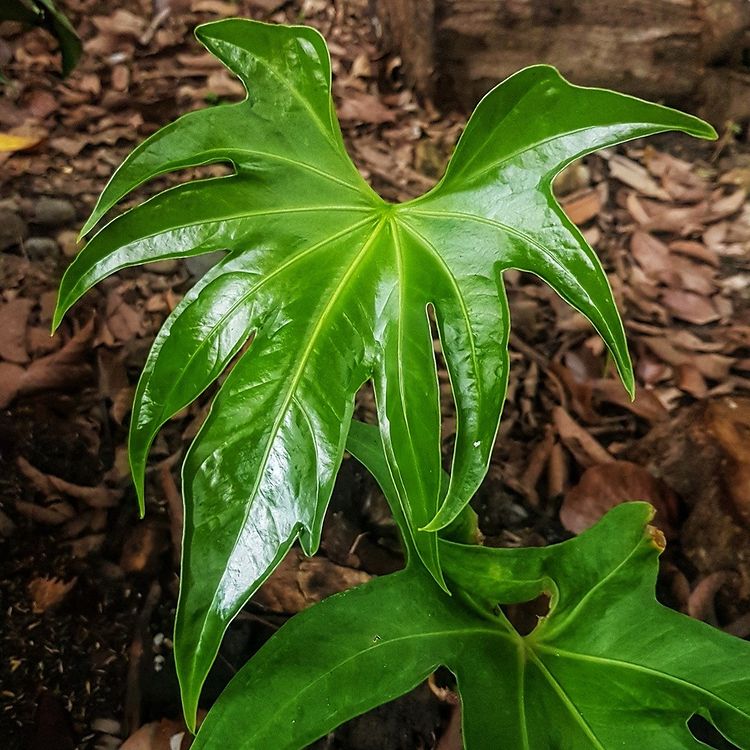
<point>88,593</point>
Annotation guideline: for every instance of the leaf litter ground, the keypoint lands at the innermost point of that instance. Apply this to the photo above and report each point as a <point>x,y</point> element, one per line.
<point>88,594</point>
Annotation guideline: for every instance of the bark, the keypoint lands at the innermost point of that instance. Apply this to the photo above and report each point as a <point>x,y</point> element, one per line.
<point>676,51</point>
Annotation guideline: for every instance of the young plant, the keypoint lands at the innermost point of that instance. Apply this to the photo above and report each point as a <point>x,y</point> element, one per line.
<point>335,286</point>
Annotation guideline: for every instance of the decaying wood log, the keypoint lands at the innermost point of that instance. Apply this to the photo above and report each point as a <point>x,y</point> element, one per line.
<point>678,51</point>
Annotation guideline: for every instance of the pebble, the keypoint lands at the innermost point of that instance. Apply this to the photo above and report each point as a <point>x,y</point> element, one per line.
<point>106,726</point>
<point>13,229</point>
<point>164,266</point>
<point>68,241</point>
<point>41,248</point>
<point>53,212</point>
<point>198,265</point>
<point>108,742</point>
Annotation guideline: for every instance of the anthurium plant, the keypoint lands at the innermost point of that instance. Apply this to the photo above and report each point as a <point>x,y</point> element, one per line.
<point>335,287</point>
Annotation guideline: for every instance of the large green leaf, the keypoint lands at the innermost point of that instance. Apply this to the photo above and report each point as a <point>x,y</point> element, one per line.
<point>608,667</point>
<point>336,285</point>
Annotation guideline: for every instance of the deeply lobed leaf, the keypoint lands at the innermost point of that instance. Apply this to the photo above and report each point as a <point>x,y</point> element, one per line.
<point>606,668</point>
<point>335,286</point>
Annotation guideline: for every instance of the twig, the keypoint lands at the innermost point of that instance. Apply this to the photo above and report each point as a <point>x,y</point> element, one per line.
<point>176,515</point>
<point>135,659</point>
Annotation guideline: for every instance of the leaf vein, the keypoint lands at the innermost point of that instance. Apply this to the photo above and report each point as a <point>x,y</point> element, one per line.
<point>568,703</point>
<point>296,378</point>
<point>514,233</point>
<point>284,266</point>
<point>461,301</point>
<point>642,668</point>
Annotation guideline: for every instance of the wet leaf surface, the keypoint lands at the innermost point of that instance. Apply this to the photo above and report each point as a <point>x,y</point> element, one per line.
<point>72,433</point>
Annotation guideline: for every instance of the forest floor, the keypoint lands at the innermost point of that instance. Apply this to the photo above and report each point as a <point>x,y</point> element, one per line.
<point>88,593</point>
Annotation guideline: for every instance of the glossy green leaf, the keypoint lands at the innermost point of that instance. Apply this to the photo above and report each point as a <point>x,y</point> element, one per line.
<point>336,286</point>
<point>607,668</point>
<point>45,13</point>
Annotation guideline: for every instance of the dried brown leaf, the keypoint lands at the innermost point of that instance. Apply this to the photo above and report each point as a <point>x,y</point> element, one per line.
<point>12,142</point>
<point>689,306</point>
<point>52,486</point>
<point>365,108</point>
<point>681,220</point>
<point>538,460</point>
<point>634,175</point>
<point>690,380</point>
<point>66,367</point>
<point>651,254</point>
<point>586,449</point>
<point>120,23</point>
<point>39,342</point>
<point>729,423</point>
<point>143,546</point>
<point>637,210</point>
<point>52,515</point>
<point>725,206</point>
<point>701,600</point>
<point>217,7</point>
<point>13,319</point>
<point>48,593</point>
<point>696,250</point>
<point>645,404</point>
<point>86,545</point>
<point>159,735</point>
<point>606,485</point>
<point>557,471</point>
<point>660,164</point>
<point>302,581</point>
<point>690,277</point>
<point>582,206</point>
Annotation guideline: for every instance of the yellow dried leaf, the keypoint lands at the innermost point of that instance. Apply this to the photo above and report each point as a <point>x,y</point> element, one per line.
<point>10,143</point>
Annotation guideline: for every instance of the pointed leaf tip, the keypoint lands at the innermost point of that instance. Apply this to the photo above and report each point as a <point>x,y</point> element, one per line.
<point>627,376</point>
<point>137,474</point>
<point>89,224</point>
<point>57,315</point>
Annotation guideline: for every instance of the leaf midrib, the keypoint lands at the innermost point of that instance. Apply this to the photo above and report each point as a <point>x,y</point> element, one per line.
<point>400,367</point>
<point>225,153</point>
<point>554,626</point>
<point>297,94</point>
<point>522,719</point>
<point>390,642</point>
<point>83,281</point>
<point>265,279</point>
<point>426,243</point>
<point>565,699</point>
<point>535,146</point>
<point>651,671</point>
<point>247,215</point>
<point>453,282</point>
<point>294,383</point>
<point>518,234</point>
<point>496,127</point>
